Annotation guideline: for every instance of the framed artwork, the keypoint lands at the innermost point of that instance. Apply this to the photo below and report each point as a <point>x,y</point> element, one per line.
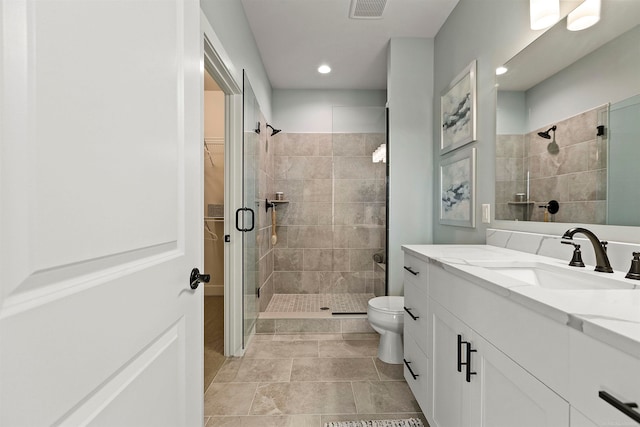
<point>458,188</point>
<point>458,111</point>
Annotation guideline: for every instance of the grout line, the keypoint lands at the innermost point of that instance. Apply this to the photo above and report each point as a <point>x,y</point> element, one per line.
<point>355,402</point>
<point>226,359</point>
<point>255,393</point>
<point>376,367</point>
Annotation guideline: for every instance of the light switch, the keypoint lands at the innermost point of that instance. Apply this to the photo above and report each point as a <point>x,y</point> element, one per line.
<point>486,213</point>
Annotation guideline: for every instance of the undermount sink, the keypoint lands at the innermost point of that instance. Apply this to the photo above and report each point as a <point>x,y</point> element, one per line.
<point>552,277</point>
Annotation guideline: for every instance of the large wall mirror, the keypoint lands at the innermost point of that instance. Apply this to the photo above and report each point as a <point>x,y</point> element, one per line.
<point>568,124</point>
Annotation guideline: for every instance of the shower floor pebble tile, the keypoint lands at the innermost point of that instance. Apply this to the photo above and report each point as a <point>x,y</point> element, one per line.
<point>306,380</point>
<point>313,303</point>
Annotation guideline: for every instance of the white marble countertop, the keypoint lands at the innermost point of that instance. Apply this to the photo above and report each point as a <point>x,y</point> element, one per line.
<point>611,316</point>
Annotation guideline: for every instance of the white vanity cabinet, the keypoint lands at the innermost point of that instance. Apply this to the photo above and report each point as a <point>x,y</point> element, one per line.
<point>491,390</point>
<point>475,384</point>
<point>490,352</point>
<point>416,345</point>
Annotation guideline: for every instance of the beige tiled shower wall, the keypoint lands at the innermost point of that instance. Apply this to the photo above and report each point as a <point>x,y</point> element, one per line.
<point>575,176</point>
<point>335,219</point>
<point>266,151</point>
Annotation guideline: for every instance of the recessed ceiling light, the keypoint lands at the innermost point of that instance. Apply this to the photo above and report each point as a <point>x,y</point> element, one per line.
<point>324,69</point>
<point>501,70</point>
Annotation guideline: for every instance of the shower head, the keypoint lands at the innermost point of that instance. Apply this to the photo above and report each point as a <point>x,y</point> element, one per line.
<point>546,135</point>
<point>273,130</point>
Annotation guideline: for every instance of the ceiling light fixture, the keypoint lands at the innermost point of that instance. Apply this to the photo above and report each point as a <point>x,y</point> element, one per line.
<point>324,69</point>
<point>501,70</point>
<point>544,13</point>
<point>584,16</point>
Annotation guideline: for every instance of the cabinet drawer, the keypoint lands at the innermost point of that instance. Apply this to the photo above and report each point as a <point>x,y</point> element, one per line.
<point>417,376</point>
<point>416,323</point>
<point>416,272</point>
<point>598,367</point>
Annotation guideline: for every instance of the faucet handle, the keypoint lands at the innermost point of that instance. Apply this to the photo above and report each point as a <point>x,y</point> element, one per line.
<point>576,259</point>
<point>634,271</point>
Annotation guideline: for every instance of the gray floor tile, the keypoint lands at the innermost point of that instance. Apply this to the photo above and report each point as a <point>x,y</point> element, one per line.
<point>266,421</point>
<point>304,398</point>
<point>384,397</point>
<point>349,348</point>
<point>334,369</point>
<point>360,336</point>
<point>229,398</point>
<point>307,337</point>
<point>281,349</point>
<point>254,370</point>
<point>389,372</point>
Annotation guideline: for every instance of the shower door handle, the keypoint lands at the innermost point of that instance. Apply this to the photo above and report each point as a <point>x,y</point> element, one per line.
<point>253,222</point>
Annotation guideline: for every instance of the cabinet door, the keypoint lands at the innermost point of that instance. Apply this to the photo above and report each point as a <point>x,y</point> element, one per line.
<point>450,405</point>
<point>579,420</point>
<point>505,395</point>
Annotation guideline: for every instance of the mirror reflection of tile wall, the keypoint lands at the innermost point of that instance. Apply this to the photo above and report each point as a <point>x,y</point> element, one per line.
<point>574,174</point>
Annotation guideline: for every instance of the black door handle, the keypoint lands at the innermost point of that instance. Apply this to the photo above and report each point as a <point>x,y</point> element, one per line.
<point>468,363</point>
<point>625,408</point>
<point>415,376</point>
<point>196,278</point>
<point>460,353</point>
<point>253,222</point>
<point>410,270</point>
<point>253,219</point>
<point>408,310</point>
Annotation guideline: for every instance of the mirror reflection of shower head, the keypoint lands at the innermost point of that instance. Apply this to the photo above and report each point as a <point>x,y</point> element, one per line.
<point>546,135</point>
<point>273,130</point>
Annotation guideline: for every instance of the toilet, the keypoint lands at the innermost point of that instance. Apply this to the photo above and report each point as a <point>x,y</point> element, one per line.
<point>386,316</point>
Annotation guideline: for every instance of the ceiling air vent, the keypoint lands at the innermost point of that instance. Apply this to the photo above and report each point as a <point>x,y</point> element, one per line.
<point>367,9</point>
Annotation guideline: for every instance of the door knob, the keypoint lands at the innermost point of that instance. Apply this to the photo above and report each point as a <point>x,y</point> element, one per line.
<point>196,278</point>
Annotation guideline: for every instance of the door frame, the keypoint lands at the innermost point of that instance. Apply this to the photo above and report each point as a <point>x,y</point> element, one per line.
<point>217,63</point>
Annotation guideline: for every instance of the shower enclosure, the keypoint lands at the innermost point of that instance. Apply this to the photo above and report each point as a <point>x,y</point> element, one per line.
<point>334,224</point>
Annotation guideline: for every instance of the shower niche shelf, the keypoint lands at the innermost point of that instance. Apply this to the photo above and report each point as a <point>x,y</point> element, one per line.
<point>522,203</point>
<point>270,203</point>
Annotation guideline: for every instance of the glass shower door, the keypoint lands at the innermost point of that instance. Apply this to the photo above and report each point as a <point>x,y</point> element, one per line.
<point>246,217</point>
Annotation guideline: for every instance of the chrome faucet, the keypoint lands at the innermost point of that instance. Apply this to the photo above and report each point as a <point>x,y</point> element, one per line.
<point>599,247</point>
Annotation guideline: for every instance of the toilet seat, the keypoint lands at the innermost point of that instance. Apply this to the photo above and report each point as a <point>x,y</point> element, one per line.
<point>390,305</point>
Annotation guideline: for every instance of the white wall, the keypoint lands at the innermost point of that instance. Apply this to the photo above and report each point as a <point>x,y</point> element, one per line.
<point>230,25</point>
<point>490,31</point>
<point>512,113</point>
<point>410,146</point>
<point>311,111</point>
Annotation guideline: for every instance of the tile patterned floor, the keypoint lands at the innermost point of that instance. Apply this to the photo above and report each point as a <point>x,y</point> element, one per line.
<point>311,303</point>
<point>306,380</point>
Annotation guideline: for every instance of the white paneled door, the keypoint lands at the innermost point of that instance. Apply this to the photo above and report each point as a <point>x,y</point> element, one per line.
<point>100,213</point>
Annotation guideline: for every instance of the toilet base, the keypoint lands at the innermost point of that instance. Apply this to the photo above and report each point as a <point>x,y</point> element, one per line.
<point>390,349</point>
